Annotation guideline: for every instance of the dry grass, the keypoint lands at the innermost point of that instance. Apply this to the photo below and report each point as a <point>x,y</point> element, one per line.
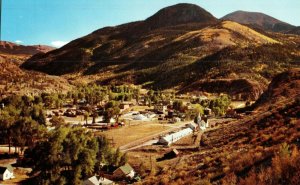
<point>224,36</point>
<point>127,134</point>
<point>248,33</point>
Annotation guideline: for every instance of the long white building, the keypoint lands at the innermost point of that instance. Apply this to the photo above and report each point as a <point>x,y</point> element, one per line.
<point>171,138</point>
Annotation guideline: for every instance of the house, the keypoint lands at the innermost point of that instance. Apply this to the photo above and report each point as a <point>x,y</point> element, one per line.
<point>176,120</point>
<point>170,113</point>
<point>6,172</point>
<point>140,117</point>
<point>104,181</point>
<point>207,111</point>
<point>125,171</point>
<point>173,137</point>
<point>204,124</point>
<point>83,101</point>
<point>193,126</point>
<point>167,102</point>
<point>172,154</point>
<point>94,180</point>
<point>201,98</point>
<point>124,106</point>
<point>231,113</point>
<point>160,108</point>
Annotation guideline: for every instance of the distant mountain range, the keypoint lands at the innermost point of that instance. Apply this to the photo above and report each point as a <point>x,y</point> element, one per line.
<point>16,49</point>
<point>14,80</point>
<point>177,47</point>
<point>259,20</point>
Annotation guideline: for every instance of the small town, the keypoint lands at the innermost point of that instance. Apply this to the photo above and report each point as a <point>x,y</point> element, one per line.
<point>145,117</point>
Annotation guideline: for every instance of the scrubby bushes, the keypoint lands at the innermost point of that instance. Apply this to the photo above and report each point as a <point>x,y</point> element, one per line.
<point>284,169</point>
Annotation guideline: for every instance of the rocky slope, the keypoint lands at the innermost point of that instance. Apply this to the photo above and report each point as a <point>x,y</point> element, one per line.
<point>259,20</point>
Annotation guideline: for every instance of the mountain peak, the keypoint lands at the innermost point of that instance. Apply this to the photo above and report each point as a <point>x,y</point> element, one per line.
<point>259,20</point>
<point>182,13</point>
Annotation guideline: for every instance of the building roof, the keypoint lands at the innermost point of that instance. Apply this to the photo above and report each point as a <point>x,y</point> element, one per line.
<point>177,135</point>
<point>140,117</point>
<point>175,151</point>
<point>126,169</point>
<point>192,125</point>
<point>93,180</point>
<point>4,168</point>
<point>104,181</point>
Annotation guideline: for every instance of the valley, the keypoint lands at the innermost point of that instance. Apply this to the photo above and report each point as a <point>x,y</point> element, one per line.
<point>181,97</point>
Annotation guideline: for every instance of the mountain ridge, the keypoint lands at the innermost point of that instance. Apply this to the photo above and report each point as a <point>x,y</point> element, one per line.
<point>259,20</point>
<point>17,49</point>
<point>173,56</point>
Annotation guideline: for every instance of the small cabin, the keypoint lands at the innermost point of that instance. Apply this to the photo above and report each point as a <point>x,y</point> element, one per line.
<point>124,106</point>
<point>207,111</point>
<point>172,154</point>
<point>125,171</point>
<point>193,126</point>
<point>160,108</point>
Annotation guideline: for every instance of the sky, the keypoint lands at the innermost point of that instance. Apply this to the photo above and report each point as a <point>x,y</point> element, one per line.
<point>57,22</point>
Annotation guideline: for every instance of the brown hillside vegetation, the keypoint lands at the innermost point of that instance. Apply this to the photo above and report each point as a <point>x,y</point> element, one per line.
<point>262,148</point>
<point>243,87</point>
<point>161,56</point>
<point>165,52</point>
<point>286,84</point>
<point>13,80</point>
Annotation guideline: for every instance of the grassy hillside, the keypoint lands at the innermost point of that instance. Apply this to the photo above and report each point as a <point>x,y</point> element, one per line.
<point>262,148</point>
<point>13,80</point>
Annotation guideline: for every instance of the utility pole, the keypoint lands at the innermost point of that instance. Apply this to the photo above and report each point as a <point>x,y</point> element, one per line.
<point>150,157</point>
<point>0,20</point>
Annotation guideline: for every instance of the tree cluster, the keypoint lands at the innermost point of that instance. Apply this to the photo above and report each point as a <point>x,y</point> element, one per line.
<point>70,155</point>
<point>22,121</point>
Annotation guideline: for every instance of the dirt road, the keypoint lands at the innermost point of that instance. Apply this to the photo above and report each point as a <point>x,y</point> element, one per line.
<point>149,140</point>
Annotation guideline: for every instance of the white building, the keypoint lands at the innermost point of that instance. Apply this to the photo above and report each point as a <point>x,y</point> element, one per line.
<point>204,125</point>
<point>171,138</point>
<point>203,98</point>
<point>193,126</point>
<point>140,117</point>
<point>6,173</point>
<point>94,180</point>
